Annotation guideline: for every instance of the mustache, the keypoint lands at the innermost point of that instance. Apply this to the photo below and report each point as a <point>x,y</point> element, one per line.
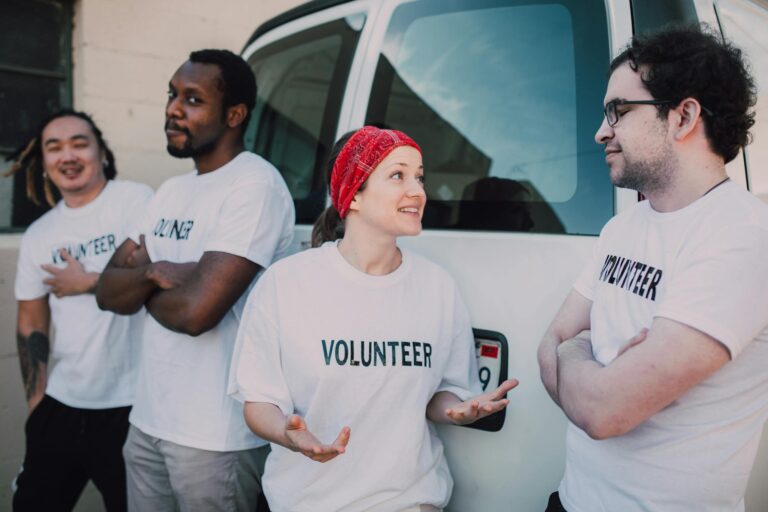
<point>170,125</point>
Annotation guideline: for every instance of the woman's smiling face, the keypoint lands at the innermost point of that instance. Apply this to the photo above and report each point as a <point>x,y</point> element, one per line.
<point>393,198</point>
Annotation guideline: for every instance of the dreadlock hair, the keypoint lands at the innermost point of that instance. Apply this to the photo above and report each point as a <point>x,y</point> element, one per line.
<point>682,61</point>
<point>29,158</point>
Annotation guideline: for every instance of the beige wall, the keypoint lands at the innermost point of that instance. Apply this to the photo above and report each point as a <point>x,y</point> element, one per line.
<point>125,51</point>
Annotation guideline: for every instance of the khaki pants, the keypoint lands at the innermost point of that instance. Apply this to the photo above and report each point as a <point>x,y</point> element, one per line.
<point>164,476</point>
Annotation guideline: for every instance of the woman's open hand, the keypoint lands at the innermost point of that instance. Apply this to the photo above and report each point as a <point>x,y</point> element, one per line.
<point>303,441</point>
<point>482,405</point>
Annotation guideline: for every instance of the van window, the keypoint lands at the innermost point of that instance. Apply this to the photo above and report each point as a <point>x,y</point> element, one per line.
<point>301,81</point>
<point>650,15</point>
<point>504,98</point>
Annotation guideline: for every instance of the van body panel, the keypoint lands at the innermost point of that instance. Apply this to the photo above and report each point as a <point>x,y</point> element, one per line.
<point>512,283</point>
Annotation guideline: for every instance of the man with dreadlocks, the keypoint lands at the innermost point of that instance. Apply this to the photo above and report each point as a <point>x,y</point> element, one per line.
<point>80,387</point>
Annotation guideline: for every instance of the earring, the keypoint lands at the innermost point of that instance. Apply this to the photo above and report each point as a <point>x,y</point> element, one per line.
<point>104,163</point>
<point>45,176</point>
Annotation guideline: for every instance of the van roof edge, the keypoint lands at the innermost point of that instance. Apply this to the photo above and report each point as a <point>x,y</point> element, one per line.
<point>290,15</point>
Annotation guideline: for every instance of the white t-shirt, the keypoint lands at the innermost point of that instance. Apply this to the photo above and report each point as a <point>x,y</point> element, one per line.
<point>705,266</point>
<point>94,353</point>
<point>343,348</point>
<point>243,208</point>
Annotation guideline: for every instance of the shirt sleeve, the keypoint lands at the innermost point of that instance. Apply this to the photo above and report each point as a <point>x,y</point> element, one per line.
<point>135,211</point>
<point>720,288</point>
<point>142,224</point>
<point>585,283</point>
<point>251,221</point>
<point>460,376</point>
<point>29,276</point>
<point>256,374</point>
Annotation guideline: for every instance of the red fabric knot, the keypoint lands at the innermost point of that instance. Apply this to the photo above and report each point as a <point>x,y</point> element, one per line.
<point>364,150</point>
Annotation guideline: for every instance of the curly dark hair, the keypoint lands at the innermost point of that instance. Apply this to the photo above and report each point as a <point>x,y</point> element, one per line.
<point>237,81</point>
<point>693,61</point>
<point>29,158</point>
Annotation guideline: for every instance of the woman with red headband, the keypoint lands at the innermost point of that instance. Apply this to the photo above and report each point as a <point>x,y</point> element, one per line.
<point>356,344</point>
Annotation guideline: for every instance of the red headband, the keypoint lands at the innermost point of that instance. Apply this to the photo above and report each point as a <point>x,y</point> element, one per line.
<point>364,150</point>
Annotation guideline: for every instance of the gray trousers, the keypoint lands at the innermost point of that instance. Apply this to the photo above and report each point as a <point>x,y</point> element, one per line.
<point>166,477</point>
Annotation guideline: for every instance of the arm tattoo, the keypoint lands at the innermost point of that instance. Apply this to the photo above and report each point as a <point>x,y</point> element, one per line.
<point>33,356</point>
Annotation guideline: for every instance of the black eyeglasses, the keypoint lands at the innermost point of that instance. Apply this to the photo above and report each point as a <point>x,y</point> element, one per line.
<point>612,115</point>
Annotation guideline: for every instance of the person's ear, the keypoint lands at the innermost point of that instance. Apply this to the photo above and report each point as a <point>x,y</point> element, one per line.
<point>236,115</point>
<point>103,159</point>
<point>686,118</point>
<point>355,204</point>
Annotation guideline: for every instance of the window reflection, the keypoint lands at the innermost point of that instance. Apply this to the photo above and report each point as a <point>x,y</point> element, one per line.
<point>491,92</point>
<point>301,81</point>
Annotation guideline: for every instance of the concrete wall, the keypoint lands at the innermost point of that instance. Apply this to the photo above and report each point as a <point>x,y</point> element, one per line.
<point>124,53</point>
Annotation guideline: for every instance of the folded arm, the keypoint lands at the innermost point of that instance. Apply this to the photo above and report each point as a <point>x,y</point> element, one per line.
<point>124,285</point>
<point>607,401</point>
<point>33,322</point>
<point>205,292</point>
<point>572,318</point>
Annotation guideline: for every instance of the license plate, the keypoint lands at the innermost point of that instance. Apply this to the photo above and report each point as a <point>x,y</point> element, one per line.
<point>489,353</point>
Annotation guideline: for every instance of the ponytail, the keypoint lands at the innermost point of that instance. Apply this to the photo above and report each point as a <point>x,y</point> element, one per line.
<point>328,227</point>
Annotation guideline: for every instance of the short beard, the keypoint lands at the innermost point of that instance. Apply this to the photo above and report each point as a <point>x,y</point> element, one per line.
<point>651,175</point>
<point>190,151</point>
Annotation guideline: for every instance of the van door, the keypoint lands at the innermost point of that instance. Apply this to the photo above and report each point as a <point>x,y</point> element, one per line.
<point>504,97</point>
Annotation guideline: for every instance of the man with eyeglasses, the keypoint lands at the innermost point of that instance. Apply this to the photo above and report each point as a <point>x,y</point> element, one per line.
<point>668,394</point>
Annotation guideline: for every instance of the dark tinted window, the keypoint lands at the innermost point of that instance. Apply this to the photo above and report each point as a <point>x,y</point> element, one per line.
<point>504,97</point>
<point>649,15</point>
<point>35,81</point>
<point>301,81</point>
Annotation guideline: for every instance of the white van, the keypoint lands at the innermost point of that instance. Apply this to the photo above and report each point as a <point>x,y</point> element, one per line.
<point>504,97</point>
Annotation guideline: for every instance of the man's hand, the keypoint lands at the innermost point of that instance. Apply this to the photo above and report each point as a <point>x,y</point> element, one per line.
<point>653,370</point>
<point>167,275</point>
<point>139,257</point>
<point>195,297</point>
<point>34,401</point>
<point>70,280</point>
<point>303,441</point>
<point>121,288</point>
<point>636,340</point>
<point>482,405</point>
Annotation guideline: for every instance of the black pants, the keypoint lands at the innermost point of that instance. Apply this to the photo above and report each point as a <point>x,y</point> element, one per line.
<point>554,504</point>
<point>66,447</point>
